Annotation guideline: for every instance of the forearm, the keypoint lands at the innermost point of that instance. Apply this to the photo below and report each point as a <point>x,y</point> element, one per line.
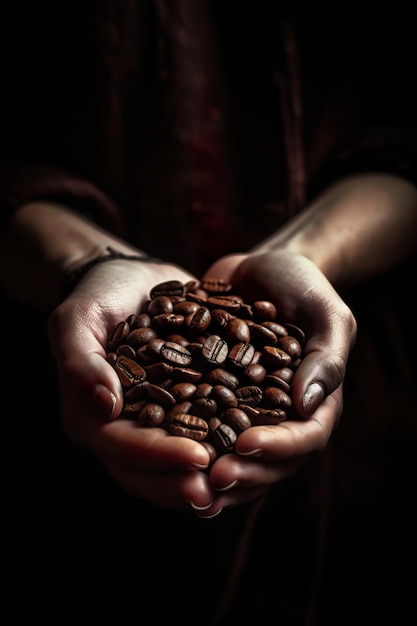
<point>42,244</point>
<point>357,229</point>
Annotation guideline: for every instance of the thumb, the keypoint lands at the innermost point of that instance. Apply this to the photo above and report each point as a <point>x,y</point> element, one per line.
<point>317,376</point>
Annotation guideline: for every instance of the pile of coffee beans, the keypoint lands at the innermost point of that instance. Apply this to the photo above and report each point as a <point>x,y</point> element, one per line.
<point>201,363</point>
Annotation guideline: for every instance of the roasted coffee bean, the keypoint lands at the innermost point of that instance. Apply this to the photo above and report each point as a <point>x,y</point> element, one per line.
<point>176,338</point>
<point>215,349</point>
<point>223,437</point>
<point>216,285</point>
<point>126,350</point>
<point>186,374</point>
<point>274,397</point>
<point>129,371</point>
<point>268,417</point>
<point>131,410</point>
<point>251,411</point>
<point>140,336</point>
<point>203,390</point>
<point>160,395</point>
<point>291,345</point>
<point>241,354</point>
<point>160,304</point>
<point>186,307</point>
<point>237,331</point>
<point>117,336</point>
<point>204,407</point>
<point>275,381</point>
<point>297,332</point>
<point>228,304</point>
<point>151,415</point>
<point>168,322</point>
<point>220,376</point>
<point>260,335</point>
<point>195,296</point>
<point>237,419</point>
<point>136,393</point>
<point>175,353</point>
<point>286,373</point>
<point>278,329</point>
<point>142,320</point>
<point>224,396</point>
<point>250,395</point>
<point>200,362</point>
<point>168,288</point>
<point>156,372</point>
<point>111,357</point>
<point>254,373</point>
<point>220,319</point>
<point>198,321</point>
<point>183,391</point>
<point>154,347</point>
<point>275,357</point>
<point>187,425</point>
<point>264,311</point>
<point>211,450</point>
<point>177,409</point>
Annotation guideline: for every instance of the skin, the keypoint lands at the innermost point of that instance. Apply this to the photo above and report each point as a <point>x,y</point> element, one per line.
<point>357,229</point>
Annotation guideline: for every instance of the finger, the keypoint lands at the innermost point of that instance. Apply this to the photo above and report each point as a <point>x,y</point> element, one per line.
<point>127,445</point>
<point>232,473</point>
<point>324,362</point>
<point>232,499</point>
<point>181,490</point>
<point>293,438</point>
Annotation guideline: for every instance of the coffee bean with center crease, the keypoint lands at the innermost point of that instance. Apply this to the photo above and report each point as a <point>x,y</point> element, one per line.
<point>200,362</point>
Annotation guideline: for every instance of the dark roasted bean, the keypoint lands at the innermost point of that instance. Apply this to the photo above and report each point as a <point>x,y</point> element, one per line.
<point>241,354</point>
<point>175,353</point>
<point>200,362</point>
<point>160,395</point>
<point>250,395</point>
<point>237,419</point>
<point>215,349</point>
<point>130,373</point>
<point>264,311</point>
<point>204,407</point>
<point>237,331</point>
<point>140,337</point>
<point>167,288</point>
<point>187,425</point>
<point>151,414</point>
<point>183,391</point>
<point>224,396</point>
<point>160,304</point>
<point>118,336</point>
<point>216,286</point>
<point>223,437</point>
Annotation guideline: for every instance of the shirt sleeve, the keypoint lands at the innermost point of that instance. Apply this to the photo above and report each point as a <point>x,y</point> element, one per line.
<point>24,181</point>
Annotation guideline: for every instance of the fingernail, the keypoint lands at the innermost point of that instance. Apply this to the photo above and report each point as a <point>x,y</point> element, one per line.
<point>201,508</point>
<point>210,516</point>
<point>313,397</point>
<point>232,484</point>
<point>105,401</point>
<point>258,452</point>
<point>199,466</point>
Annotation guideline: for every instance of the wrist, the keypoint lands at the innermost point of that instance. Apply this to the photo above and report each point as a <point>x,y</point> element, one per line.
<point>111,254</point>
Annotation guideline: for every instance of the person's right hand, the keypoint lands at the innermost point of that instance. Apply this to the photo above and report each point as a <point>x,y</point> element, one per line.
<point>145,462</point>
<point>267,455</point>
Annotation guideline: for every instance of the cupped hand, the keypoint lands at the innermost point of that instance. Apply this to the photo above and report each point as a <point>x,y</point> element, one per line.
<point>145,462</point>
<point>303,296</point>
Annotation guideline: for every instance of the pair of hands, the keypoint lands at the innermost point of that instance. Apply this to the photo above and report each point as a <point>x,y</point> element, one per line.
<point>172,471</point>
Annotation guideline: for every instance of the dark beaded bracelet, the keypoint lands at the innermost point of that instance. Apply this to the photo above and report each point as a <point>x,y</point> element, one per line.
<point>74,277</point>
